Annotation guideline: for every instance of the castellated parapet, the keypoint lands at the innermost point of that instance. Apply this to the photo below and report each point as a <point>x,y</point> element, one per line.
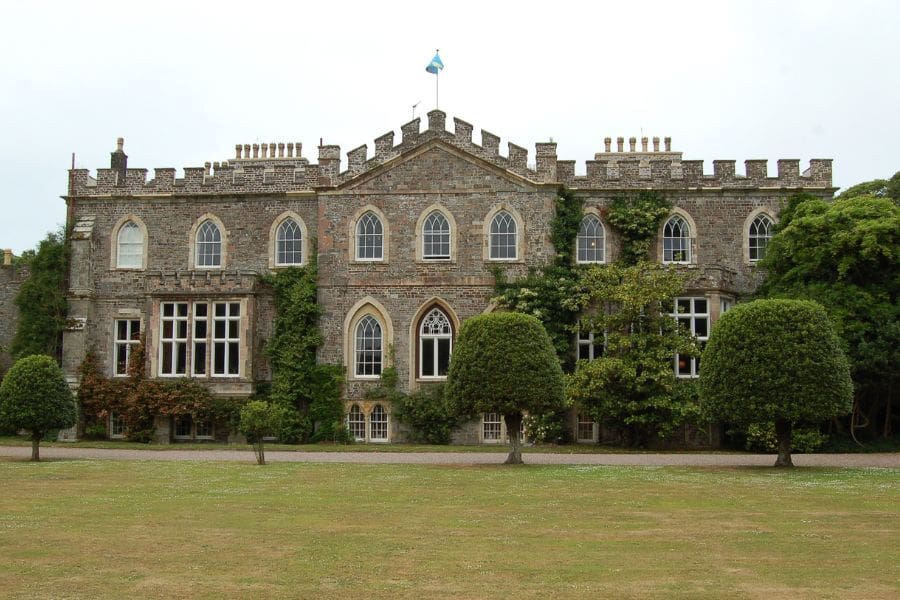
<point>274,167</point>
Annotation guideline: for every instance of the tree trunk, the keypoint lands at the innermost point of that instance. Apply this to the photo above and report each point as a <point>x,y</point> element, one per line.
<point>783,434</point>
<point>513,424</point>
<point>35,442</point>
<point>260,452</point>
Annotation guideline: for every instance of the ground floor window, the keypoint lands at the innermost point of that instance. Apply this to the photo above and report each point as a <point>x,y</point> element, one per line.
<point>374,427</point>
<point>693,315</point>
<point>186,428</point>
<point>356,423</point>
<point>587,429</point>
<point>378,424</point>
<point>116,426</point>
<point>491,427</point>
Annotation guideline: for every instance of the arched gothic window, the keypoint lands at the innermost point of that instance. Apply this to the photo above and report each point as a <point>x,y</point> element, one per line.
<point>289,243</point>
<point>378,424</point>
<point>130,246</point>
<point>676,241</point>
<point>369,238</point>
<point>591,241</point>
<point>368,349</point>
<point>759,236</point>
<point>503,237</point>
<point>436,237</point>
<point>435,344</point>
<point>356,423</point>
<point>209,245</point>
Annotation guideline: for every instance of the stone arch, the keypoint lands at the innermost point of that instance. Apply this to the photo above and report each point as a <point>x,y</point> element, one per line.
<point>273,242</point>
<point>114,242</point>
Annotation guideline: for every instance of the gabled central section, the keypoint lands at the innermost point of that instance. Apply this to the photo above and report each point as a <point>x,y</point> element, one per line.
<point>436,166</point>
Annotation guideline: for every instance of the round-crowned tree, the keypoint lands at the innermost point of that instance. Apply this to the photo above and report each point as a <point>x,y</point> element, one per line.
<point>775,360</point>
<point>34,395</point>
<point>505,363</point>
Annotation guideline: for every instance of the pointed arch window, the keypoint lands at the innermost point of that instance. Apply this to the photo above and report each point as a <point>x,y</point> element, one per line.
<point>759,236</point>
<point>130,246</point>
<point>369,238</point>
<point>676,241</point>
<point>503,237</point>
<point>368,349</point>
<point>436,237</point>
<point>289,243</point>
<point>591,241</point>
<point>356,423</point>
<point>209,245</point>
<point>435,345</point>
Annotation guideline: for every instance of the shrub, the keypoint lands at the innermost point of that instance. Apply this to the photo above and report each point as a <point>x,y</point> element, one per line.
<point>427,413</point>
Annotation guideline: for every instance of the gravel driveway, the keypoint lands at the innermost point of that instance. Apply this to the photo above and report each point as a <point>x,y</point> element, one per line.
<point>890,460</point>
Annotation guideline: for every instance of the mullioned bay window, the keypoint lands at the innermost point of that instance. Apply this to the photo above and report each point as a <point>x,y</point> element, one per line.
<point>200,339</point>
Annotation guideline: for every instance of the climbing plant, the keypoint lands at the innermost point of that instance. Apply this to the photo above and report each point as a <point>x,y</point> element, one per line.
<point>637,217</point>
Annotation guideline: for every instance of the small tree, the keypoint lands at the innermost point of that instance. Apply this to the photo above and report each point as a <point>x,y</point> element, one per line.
<point>504,363</point>
<point>34,395</point>
<point>260,419</point>
<point>775,360</point>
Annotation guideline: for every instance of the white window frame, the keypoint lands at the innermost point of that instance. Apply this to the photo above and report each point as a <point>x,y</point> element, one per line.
<point>443,235</point>
<point>281,242</point>
<point>201,323</point>
<point>588,340</point>
<point>360,366</point>
<point>583,421</point>
<point>494,236</point>
<point>591,230</point>
<point>228,343</point>
<point>117,426</point>
<point>377,237</point>
<point>356,422</point>
<point>176,339</point>
<point>208,252</point>
<point>690,318</point>
<point>756,241</point>
<point>491,428</point>
<point>379,430</point>
<point>125,345</point>
<point>435,319</point>
<point>130,246</point>
<point>683,240</point>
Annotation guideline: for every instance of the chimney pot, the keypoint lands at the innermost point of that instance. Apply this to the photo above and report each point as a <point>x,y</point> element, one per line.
<point>7,257</point>
<point>607,144</point>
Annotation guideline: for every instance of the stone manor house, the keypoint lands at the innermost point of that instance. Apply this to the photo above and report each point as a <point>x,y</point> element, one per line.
<point>405,238</point>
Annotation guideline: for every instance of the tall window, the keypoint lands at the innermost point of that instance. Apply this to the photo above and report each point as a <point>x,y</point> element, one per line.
<point>289,243</point>
<point>435,344</point>
<point>491,427</point>
<point>368,353</point>
<point>586,429</point>
<point>590,345</point>
<point>693,315</point>
<point>214,341</point>
<point>117,427</point>
<point>130,246</point>
<point>436,237</point>
<point>209,245</point>
<point>676,241</point>
<point>356,423</point>
<point>369,238</point>
<point>128,336</point>
<point>378,424</point>
<point>760,234</point>
<point>503,237</point>
<point>591,241</point>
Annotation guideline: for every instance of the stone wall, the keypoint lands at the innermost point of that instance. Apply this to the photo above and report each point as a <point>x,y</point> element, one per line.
<point>11,278</point>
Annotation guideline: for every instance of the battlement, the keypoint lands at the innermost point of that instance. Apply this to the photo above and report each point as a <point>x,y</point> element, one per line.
<point>280,167</point>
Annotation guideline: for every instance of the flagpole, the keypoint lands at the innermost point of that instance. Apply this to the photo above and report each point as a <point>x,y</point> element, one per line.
<point>437,78</point>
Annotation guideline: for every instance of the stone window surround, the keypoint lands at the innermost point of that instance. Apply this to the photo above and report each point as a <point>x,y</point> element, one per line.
<point>420,237</point>
<point>127,344</point>
<point>366,408</point>
<point>745,234</point>
<point>273,241</point>
<point>114,243</point>
<point>520,234</point>
<point>590,210</point>
<point>694,246</point>
<point>192,243</point>
<point>366,306</point>
<point>385,235</point>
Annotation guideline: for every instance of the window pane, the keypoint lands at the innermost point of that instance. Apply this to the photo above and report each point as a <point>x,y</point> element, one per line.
<point>428,358</point>
<point>233,358</point>
<point>219,361</point>
<point>443,356</point>
<point>181,361</point>
<point>200,358</point>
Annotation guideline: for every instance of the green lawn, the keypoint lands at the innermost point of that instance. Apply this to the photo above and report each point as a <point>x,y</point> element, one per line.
<point>78,528</point>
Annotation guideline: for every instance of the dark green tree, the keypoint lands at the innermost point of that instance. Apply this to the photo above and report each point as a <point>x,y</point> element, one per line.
<point>632,387</point>
<point>34,395</point>
<point>504,363</point>
<point>880,188</point>
<point>259,420</point>
<point>41,300</point>
<point>845,255</point>
<point>775,360</point>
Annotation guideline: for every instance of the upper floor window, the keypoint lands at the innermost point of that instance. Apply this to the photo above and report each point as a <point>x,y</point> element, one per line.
<point>204,335</point>
<point>676,241</point>
<point>591,241</point>
<point>693,315</point>
<point>759,235</point>
<point>369,238</point>
<point>436,237</point>
<point>209,245</point>
<point>503,237</point>
<point>590,345</point>
<point>288,243</point>
<point>368,348</point>
<point>435,344</point>
<point>130,246</point>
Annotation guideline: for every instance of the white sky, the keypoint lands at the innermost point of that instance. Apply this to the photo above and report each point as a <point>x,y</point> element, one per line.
<point>183,82</point>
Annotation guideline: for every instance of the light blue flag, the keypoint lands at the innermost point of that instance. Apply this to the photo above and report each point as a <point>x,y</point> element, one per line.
<point>435,65</point>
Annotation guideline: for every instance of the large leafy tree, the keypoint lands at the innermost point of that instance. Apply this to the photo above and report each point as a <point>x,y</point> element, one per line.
<point>34,395</point>
<point>775,360</point>
<point>880,188</point>
<point>41,299</point>
<point>845,255</point>
<point>505,363</point>
<point>632,387</point>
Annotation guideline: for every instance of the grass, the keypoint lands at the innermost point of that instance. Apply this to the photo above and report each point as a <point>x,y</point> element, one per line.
<point>79,528</point>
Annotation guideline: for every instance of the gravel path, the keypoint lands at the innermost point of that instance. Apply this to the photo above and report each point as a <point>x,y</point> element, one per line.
<point>889,460</point>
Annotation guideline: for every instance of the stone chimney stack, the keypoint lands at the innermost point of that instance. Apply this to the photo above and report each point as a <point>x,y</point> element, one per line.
<point>7,257</point>
<point>118,161</point>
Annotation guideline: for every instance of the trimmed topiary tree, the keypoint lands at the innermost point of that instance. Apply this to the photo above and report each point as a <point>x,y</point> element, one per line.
<point>261,419</point>
<point>505,363</point>
<point>34,395</point>
<point>775,360</point>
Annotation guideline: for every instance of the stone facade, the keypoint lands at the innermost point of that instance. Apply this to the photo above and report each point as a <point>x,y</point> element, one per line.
<point>430,172</point>
<point>11,278</point>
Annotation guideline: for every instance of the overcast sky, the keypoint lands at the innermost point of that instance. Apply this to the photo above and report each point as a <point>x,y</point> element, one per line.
<point>183,82</point>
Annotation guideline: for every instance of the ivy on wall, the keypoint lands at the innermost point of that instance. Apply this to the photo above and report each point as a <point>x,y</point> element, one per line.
<point>637,218</point>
